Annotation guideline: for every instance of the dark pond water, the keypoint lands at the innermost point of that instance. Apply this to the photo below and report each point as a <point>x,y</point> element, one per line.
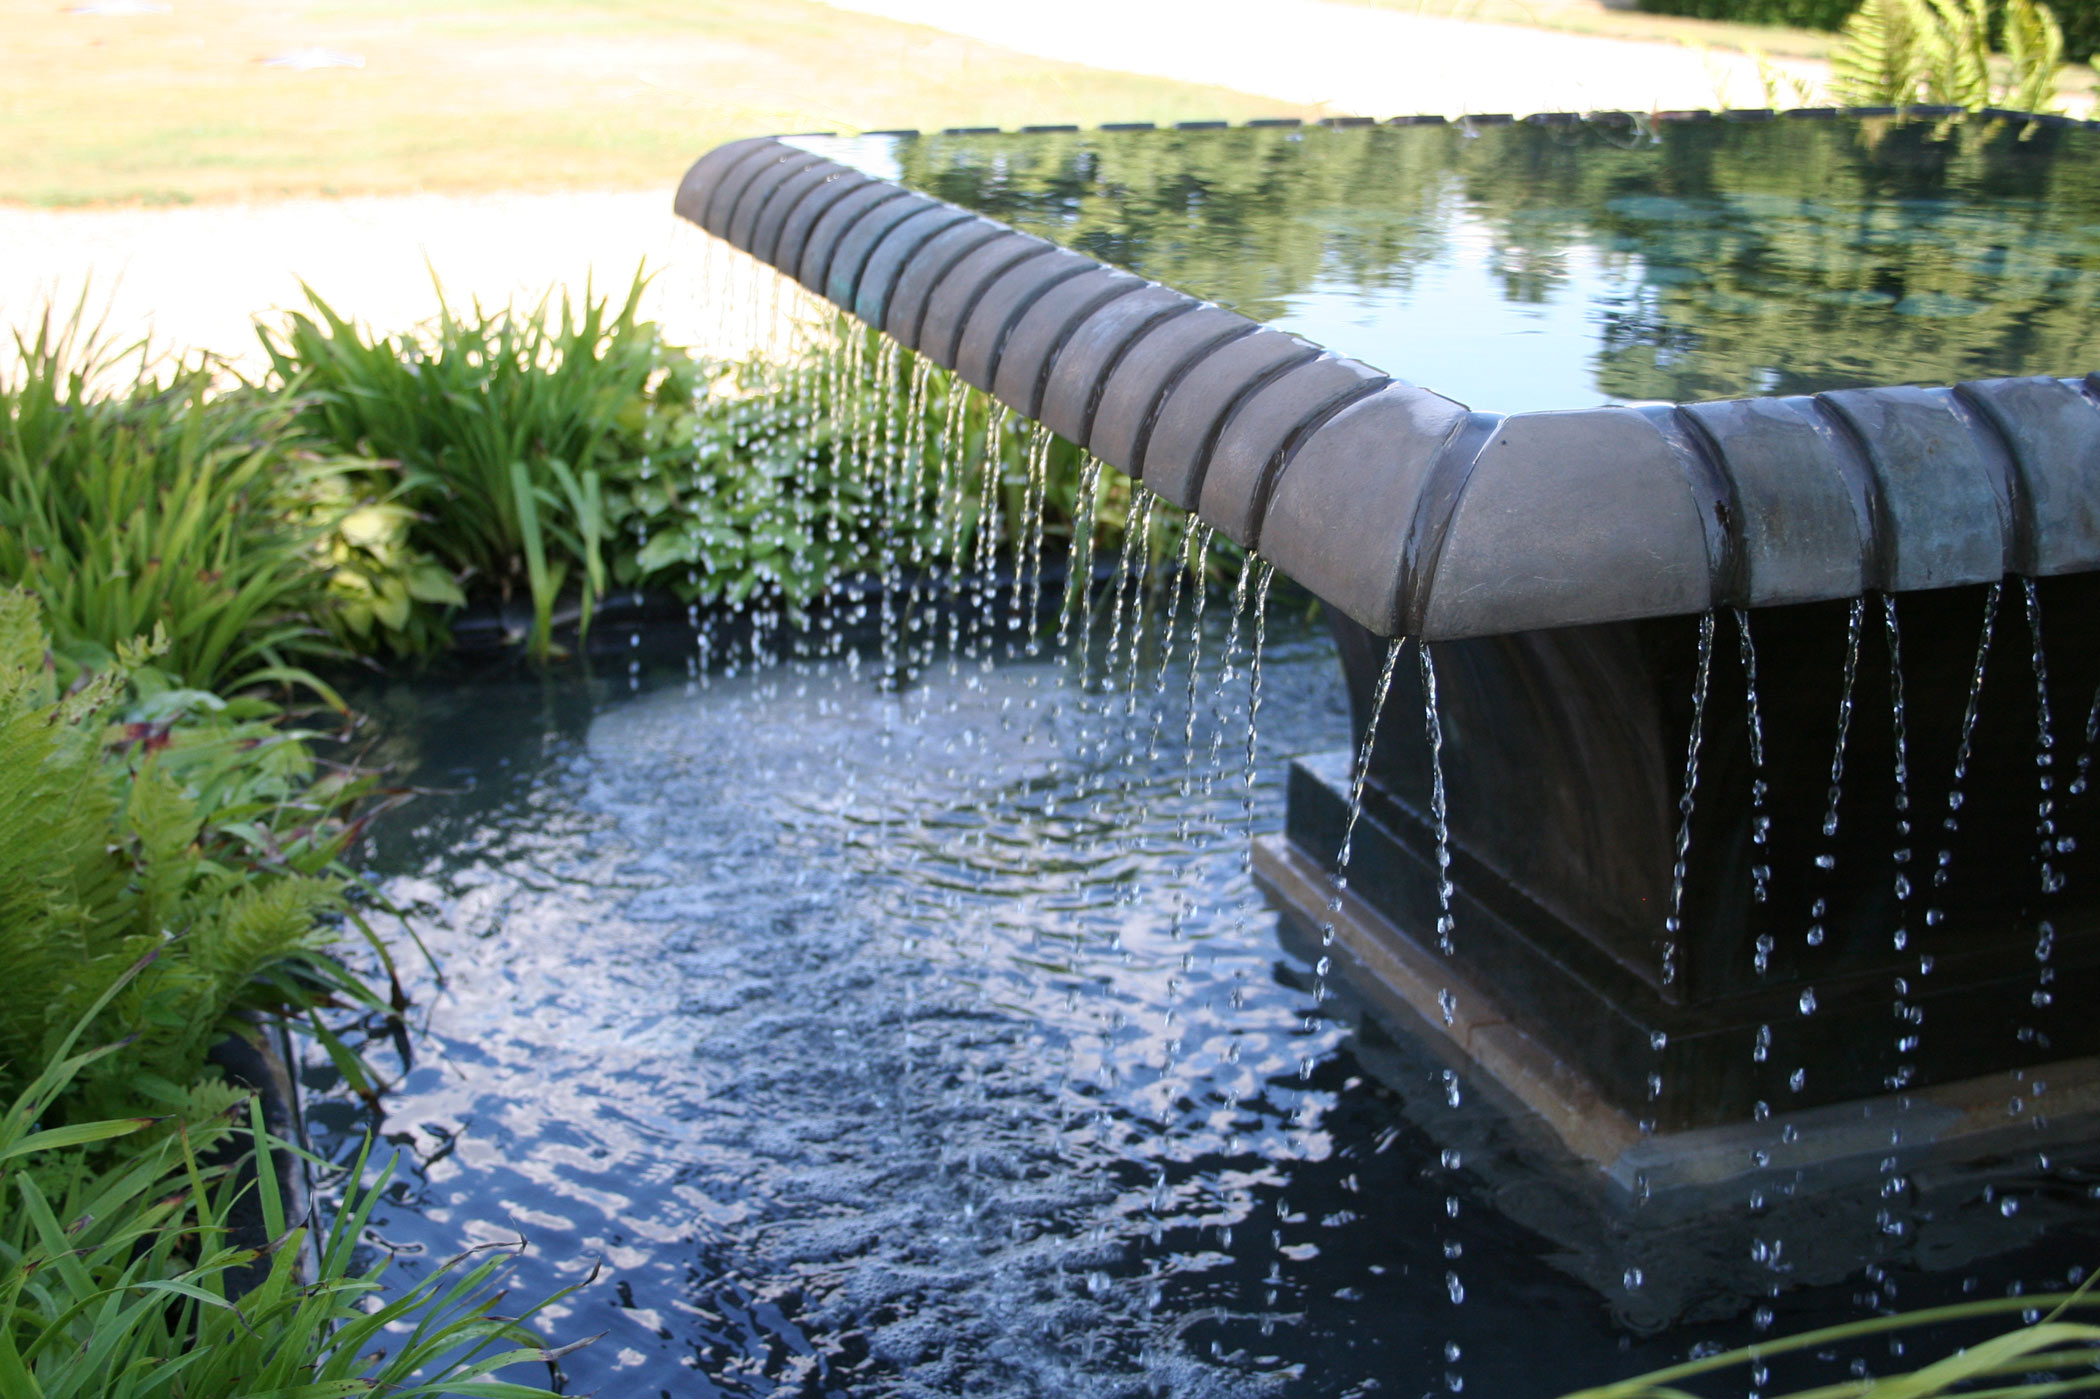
<point>1526,267</point>
<point>936,1043</point>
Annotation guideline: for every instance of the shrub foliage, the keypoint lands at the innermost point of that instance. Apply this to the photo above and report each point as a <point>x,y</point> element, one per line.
<point>2080,19</point>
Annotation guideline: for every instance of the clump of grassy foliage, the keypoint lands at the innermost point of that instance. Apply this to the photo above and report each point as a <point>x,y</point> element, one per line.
<point>136,819</point>
<point>351,503</point>
<point>506,426</point>
<point>132,499</point>
<point>158,506</point>
<point>2050,1355</point>
<point>117,1270</point>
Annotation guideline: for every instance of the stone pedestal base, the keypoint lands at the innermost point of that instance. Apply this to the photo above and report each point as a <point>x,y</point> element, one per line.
<point>1404,980</point>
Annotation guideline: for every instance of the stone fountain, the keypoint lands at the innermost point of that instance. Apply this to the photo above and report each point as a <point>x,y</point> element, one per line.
<point>1707,762</point>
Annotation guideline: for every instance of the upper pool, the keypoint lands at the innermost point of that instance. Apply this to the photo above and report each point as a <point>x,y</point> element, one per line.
<point>1531,266</point>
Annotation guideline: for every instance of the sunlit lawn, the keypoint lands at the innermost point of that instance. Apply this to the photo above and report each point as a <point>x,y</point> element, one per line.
<point>466,95</point>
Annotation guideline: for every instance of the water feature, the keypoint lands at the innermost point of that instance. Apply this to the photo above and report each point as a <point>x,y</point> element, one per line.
<point>895,1012</point>
<point>927,1042</point>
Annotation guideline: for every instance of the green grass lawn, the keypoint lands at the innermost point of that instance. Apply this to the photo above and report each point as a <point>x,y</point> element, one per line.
<point>468,95</point>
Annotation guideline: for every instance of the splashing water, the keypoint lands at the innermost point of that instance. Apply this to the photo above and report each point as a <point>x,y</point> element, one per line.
<point>1338,877</point>
<point>1673,925</point>
<point>1760,819</point>
<point>1854,624</point>
<point>1899,728</point>
<point>2044,749</point>
<point>1439,810</point>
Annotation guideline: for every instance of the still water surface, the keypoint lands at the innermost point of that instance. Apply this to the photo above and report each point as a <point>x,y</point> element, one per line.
<point>1533,267</point>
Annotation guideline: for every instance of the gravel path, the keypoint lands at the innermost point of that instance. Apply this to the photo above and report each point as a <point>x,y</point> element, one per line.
<point>195,278</point>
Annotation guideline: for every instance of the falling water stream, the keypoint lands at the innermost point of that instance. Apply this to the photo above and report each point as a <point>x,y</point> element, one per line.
<point>891,1011</point>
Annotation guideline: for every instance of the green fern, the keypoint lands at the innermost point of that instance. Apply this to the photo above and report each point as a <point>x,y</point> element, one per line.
<point>117,841</point>
<point>1903,52</point>
<point>1878,60</point>
<point>2034,44</point>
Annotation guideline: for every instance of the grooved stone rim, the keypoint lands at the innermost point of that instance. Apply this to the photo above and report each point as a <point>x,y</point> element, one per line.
<point>1401,508</point>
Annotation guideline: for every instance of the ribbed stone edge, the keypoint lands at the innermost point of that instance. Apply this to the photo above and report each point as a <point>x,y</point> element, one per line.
<point>1404,509</point>
<point>1602,117</point>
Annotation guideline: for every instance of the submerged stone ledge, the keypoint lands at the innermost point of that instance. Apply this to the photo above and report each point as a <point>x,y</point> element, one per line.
<point>1404,509</point>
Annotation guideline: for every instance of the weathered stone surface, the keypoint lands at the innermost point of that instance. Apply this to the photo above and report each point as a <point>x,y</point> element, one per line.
<point>2053,430</point>
<point>1803,517</point>
<point>826,234</point>
<point>922,274</point>
<point>795,231</point>
<point>1002,303</point>
<point>1343,508</point>
<point>1943,481</point>
<point>850,257</point>
<point>1175,453</point>
<point>722,199</point>
<point>1151,365</point>
<point>894,252</point>
<point>1096,344</point>
<point>806,184</point>
<point>1584,516</point>
<point>690,203</point>
<point>1043,328</point>
<point>1250,448</point>
<point>743,219</point>
<point>940,330</point>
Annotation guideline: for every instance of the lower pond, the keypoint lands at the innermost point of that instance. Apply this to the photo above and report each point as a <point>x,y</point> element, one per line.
<point>934,1041</point>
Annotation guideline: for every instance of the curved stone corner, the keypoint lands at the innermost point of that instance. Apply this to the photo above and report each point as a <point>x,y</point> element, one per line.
<point>1401,508</point>
<point>1568,518</point>
<point>1342,510</point>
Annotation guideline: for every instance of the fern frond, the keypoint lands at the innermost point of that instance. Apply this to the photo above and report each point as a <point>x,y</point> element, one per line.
<point>109,851</point>
<point>1956,49</point>
<point>262,925</point>
<point>2034,45</point>
<point>1877,61</point>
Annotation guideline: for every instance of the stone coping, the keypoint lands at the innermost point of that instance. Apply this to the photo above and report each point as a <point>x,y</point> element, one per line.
<point>1406,510</point>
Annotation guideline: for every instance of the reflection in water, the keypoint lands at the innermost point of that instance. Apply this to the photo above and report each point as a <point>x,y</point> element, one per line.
<point>1527,267</point>
<point>934,1043</point>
